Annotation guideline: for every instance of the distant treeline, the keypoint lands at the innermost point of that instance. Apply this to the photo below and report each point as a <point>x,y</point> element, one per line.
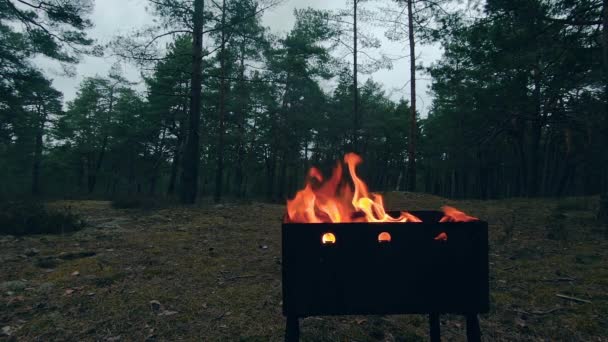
<point>519,106</point>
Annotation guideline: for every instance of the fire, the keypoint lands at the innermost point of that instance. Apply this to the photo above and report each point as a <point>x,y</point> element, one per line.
<point>334,200</point>
<point>328,239</point>
<point>441,237</point>
<point>454,215</point>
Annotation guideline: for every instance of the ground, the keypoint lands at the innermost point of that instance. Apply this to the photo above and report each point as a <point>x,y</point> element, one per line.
<point>213,273</point>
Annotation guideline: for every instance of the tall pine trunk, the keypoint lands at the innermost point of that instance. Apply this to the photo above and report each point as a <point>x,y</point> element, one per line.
<point>179,148</point>
<point>603,211</point>
<point>411,148</point>
<point>356,123</point>
<point>38,152</point>
<point>220,144</point>
<point>535,134</point>
<point>189,182</point>
<point>241,127</point>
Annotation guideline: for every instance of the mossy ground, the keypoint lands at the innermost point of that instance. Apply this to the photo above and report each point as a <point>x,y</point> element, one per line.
<point>216,273</point>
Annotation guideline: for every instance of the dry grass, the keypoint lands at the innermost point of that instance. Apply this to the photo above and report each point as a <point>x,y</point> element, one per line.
<point>216,273</point>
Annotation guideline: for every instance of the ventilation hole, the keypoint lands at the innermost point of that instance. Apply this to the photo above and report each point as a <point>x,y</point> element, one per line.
<point>328,239</point>
<point>384,237</point>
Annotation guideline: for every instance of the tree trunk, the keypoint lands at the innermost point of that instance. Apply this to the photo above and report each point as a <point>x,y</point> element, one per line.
<point>241,128</point>
<point>283,176</point>
<point>100,157</point>
<point>38,152</point>
<point>174,169</point>
<point>220,144</point>
<point>80,173</point>
<point>603,210</point>
<point>104,146</point>
<point>158,159</point>
<point>191,156</point>
<point>535,133</point>
<point>411,148</point>
<point>356,123</point>
<point>271,166</point>
<point>179,150</point>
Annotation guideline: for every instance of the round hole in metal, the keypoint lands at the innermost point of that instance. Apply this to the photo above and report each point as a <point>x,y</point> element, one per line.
<point>328,239</point>
<point>384,237</point>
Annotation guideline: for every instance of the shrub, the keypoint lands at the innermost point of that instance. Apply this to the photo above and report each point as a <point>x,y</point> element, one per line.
<point>573,204</point>
<point>134,202</point>
<point>28,217</point>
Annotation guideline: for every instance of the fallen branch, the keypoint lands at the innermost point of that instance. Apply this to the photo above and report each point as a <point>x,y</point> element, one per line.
<point>559,279</point>
<point>225,313</point>
<point>241,277</point>
<point>574,299</point>
<point>538,312</point>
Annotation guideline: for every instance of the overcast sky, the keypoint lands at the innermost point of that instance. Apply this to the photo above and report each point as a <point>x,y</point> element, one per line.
<point>112,17</point>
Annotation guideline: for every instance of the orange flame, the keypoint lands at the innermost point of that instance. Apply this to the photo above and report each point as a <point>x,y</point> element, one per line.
<point>441,237</point>
<point>335,201</point>
<point>452,214</point>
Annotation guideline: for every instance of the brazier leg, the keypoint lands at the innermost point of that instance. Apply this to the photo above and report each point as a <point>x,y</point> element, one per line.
<point>434,328</point>
<point>473,331</point>
<point>292,329</point>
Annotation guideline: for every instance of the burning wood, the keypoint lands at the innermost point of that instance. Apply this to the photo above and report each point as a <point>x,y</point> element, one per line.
<point>335,200</point>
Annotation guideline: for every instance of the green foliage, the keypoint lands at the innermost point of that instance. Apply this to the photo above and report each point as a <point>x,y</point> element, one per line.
<point>29,217</point>
<point>517,110</point>
<point>52,28</point>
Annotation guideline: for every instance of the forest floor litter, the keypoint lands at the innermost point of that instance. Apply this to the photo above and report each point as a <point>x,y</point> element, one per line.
<point>213,273</point>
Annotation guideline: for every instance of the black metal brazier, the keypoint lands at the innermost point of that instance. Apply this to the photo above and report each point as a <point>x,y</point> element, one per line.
<point>426,268</point>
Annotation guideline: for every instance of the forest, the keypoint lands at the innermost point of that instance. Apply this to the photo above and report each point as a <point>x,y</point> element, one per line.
<point>226,120</point>
<point>518,102</point>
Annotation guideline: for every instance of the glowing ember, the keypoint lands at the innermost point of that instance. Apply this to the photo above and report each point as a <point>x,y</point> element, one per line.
<point>335,201</point>
<point>328,239</point>
<point>441,237</point>
<point>454,215</point>
<point>384,237</point>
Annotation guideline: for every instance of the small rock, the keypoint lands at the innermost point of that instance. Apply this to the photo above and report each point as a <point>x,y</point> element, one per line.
<point>76,255</point>
<point>204,305</point>
<point>168,313</point>
<point>7,330</point>
<point>69,291</point>
<point>47,262</point>
<point>155,305</point>
<point>150,338</point>
<point>39,305</point>
<point>31,252</point>
<point>75,274</point>
<point>263,246</point>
